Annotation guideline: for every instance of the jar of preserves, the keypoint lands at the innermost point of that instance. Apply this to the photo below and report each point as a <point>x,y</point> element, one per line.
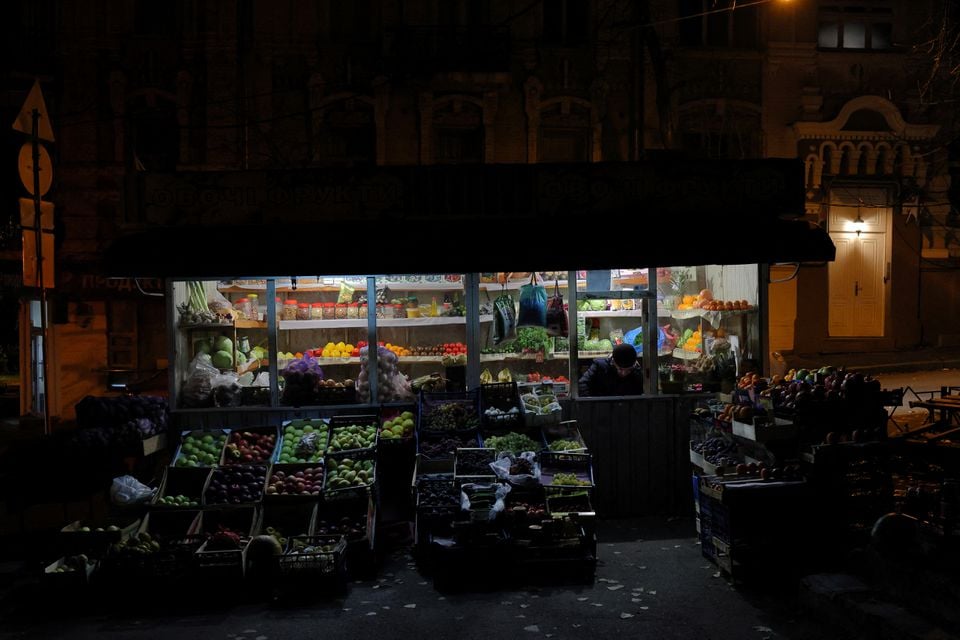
<point>353,310</point>
<point>316,311</point>
<point>254,300</point>
<point>363,311</point>
<point>278,307</point>
<point>341,311</point>
<point>380,310</point>
<point>329,311</point>
<point>399,311</point>
<point>290,309</point>
<point>303,311</point>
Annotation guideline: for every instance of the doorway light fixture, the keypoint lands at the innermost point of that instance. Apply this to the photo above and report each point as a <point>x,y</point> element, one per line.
<point>859,223</point>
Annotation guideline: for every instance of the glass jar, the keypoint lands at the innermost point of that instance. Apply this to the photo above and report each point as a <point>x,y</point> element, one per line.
<point>316,311</point>
<point>380,310</point>
<point>329,311</point>
<point>341,311</point>
<point>353,311</point>
<point>399,311</point>
<point>254,300</point>
<point>303,311</point>
<point>243,306</point>
<point>290,309</point>
<point>278,308</point>
<point>363,311</point>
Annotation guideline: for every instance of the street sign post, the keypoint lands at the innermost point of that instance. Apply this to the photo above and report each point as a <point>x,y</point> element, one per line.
<point>36,174</point>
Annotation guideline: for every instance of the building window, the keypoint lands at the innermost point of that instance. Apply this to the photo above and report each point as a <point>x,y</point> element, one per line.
<point>564,145</point>
<point>718,23</point>
<point>458,145</point>
<point>866,25</point>
<point>565,22</point>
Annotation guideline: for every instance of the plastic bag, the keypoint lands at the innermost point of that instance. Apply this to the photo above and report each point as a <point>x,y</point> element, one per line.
<point>346,293</point>
<point>198,388</point>
<point>504,320</point>
<point>556,318</point>
<point>226,389</point>
<point>128,490</point>
<point>533,305</point>
<point>307,445</point>
<point>500,494</point>
<point>217,302</point>
<point>506,462</point>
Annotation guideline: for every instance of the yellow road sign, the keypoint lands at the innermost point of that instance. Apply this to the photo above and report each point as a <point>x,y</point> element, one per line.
<point>24,121</point>
<point>44,167</point>
<point>28,214</point>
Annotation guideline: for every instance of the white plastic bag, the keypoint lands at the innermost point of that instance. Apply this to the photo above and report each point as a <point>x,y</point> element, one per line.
<point>505,461</point>
<point>127,490</point>
<point>500,494</point>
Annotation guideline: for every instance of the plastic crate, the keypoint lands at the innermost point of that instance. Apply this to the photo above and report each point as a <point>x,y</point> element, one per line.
<point>228,459</point>
<point>222,563</point>
<point>462,473</point>
<point>567,503</point>
<point>318,425</point>
<point>199,433</point>
<point>291,470</point>
<point>72,578</point>
<point>335,395</point>
<point>457,440</point>
<point>333,466</point>
<point>565,430</point>
<point>185,481</point>
<point>578,464</point>
<point>431,402</point>
<point>314,563</point>
<point>98,535</point>
<point>503,397</point>
<point>338,423</point>
<point>225,475</point>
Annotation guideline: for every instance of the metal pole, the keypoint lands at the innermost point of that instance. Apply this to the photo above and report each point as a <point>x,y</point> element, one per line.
<point>38,228</point>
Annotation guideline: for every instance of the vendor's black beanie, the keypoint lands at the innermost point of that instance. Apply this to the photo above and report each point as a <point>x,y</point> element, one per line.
<point>625,355</point>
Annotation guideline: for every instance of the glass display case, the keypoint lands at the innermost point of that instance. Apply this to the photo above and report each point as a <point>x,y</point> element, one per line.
<point>305,341</point>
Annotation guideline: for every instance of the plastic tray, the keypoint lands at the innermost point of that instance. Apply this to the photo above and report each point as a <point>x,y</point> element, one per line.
<point>227,459</point>
<point>566,430</point>
<point>337,460</point>
<point>188,481</point>
<point>579,464</point>
<point>319,425</point>
<point>430,401</point>
<point>503,396</point>
<point>200,433</point>
<point>341,422</point>
<point>292,469</point>
<point>319,564</point>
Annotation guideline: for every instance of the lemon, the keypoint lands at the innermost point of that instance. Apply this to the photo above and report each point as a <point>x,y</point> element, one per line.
<point>349,347</point>
<point>325,353</point>
<point>335,353</point>
<point>329,345</point>
<point>341,346</point>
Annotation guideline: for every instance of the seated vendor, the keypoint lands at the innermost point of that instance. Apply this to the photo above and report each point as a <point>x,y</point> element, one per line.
<point>616,375</point>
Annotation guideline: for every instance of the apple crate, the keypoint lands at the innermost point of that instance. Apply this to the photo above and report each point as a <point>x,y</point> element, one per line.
<point>251,436</point>
<point>180,456</point>
<point>311,475</point>
<point>235,485</point>
<point>500,406</point>
<point>322,557</point>
<point>448,412</point>
<point>576,464</point>
<point>403,441</point>
<point>564,431</point>
<point>182,481</point>
<point>350,515</point>
<point>289,519</point>
<point>289,431</point>
<point>338,424</point>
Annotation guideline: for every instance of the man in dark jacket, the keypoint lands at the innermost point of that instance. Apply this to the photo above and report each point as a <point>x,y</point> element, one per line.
<point>616,375</point>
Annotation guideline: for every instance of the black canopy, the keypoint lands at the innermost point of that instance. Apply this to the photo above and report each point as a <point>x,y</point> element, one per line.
<point>461,219</point>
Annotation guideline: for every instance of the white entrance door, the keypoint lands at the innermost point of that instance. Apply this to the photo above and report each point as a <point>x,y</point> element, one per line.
<point>857,276</point>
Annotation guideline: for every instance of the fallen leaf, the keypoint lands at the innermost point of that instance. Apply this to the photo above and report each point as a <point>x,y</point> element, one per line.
<point>615,587</point>
<point>653,593</point>
<point>642,567</point>
<point>386,607</point>
<point>582,599</point>
<point>520,615</point>
<point>716,575</point>
<point>635,600</point>
<point>524,606</point>
<point>364,602</point>
<point>596,604</point>
<point>376,586</point>
<point>441,598</point>
<point>410,606</point>
<point>576,626</point>
<point>644,608</point>
<point>616,553</point>
<point>371,613</point>
<point>422,584</point>
<point>534,628</point>
<point>676,546</point>
<point>761,629</point>
<point>624,616</point>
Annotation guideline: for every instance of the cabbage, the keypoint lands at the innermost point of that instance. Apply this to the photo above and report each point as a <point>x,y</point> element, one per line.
<point>241,358</point>
<point>202,346</point>
<point>223,343</point>
<point>222,360</point>
<point>605,345</point>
